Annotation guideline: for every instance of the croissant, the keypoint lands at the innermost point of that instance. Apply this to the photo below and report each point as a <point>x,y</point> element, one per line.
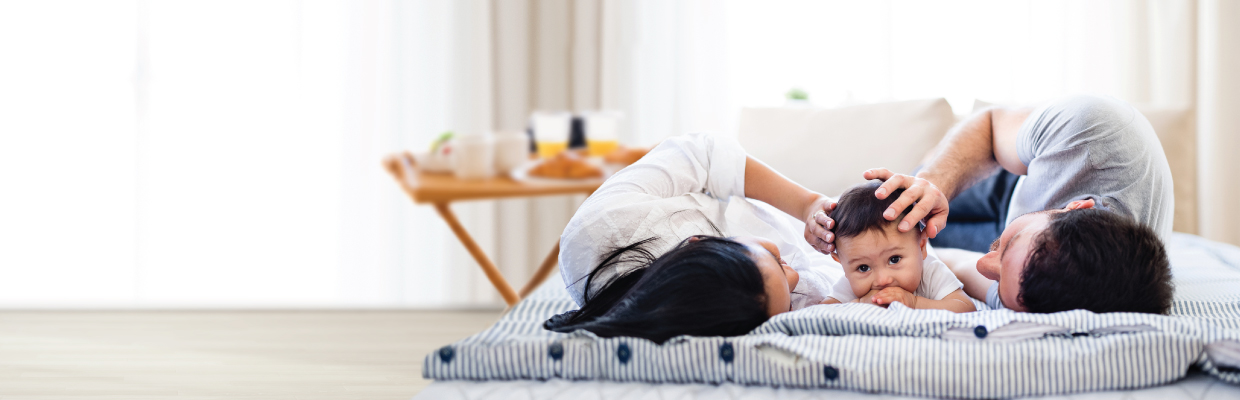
<point>566,166</point>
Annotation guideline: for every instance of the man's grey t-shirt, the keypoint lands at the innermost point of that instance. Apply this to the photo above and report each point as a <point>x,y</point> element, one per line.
<point>1089,147</point>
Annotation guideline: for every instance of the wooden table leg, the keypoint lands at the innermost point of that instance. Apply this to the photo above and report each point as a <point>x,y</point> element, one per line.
<point>548,264</point>
<point>488,267</point>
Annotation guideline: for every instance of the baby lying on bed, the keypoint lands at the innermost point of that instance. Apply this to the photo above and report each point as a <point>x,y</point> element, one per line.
<point>883,265</point>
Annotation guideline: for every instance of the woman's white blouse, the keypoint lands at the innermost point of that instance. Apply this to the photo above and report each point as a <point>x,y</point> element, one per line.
<point>678,190</point>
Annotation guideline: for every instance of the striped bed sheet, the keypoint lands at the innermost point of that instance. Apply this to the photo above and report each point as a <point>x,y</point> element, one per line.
<point>1196,386</point>
<point>985,354</point>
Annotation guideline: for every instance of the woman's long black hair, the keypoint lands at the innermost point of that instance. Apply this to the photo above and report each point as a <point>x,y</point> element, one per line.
<point>705,286</point>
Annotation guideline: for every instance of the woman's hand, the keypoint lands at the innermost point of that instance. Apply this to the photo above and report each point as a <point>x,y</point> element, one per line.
<point>818,225</point>
<point>932,204</point>
<point>763,183</point>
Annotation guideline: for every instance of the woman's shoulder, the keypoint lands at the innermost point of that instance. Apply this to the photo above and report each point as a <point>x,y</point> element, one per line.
<point>623,219</point>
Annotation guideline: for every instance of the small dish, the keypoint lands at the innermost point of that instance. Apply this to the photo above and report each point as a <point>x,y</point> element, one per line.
<point>522,174</point>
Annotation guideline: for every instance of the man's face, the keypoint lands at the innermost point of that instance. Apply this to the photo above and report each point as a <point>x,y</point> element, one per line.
<point>1007,257</point>
<point>1006,260</point>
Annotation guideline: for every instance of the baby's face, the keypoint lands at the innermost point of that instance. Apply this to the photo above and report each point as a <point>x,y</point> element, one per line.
<point>880,259</point>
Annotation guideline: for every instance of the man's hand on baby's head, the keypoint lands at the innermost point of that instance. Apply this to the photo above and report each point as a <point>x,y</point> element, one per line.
<point>931,204</point>
<point>888,295</point>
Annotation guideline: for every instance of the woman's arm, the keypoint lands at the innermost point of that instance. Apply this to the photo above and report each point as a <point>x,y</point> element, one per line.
<point>768,185</point>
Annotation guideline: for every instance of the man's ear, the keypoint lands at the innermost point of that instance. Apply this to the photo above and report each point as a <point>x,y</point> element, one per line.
<point>1080,204</point>
<point>923,239</point>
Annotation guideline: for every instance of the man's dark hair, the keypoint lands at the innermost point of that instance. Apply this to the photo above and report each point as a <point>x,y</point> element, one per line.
<point>1099,261</point>
<point>858,211</point>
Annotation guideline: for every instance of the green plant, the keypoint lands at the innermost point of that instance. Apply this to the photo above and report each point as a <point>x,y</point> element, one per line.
<point>439,141</point>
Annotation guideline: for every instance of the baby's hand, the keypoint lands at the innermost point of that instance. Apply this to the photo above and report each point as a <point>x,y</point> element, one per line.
<point>868,298</point>
<point>889,295</point>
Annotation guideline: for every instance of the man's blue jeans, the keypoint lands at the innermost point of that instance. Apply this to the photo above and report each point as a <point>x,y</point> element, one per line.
<point>977,216</point>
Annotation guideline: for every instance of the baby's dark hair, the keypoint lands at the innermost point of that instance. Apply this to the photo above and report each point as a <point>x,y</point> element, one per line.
<point>858,211</point>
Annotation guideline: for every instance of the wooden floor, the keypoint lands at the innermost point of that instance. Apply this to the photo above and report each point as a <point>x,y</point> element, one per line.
<point>235,355</point>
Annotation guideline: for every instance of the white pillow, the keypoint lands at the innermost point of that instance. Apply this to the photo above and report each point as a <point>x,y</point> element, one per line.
<point>826,150</point>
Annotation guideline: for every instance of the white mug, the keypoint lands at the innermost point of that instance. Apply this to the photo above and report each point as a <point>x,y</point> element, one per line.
<point>512,150</point>
<point>473,156</point>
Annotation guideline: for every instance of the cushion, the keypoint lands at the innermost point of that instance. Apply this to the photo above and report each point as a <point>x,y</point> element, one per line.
<point>827,149</point>
<point>1179,140</point>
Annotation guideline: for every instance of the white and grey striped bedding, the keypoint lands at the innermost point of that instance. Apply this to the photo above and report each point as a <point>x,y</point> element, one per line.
<point>896,350</point>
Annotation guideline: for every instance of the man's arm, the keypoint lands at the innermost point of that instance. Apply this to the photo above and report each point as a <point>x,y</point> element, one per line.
<point>970,152</point>
<point>963,264</point>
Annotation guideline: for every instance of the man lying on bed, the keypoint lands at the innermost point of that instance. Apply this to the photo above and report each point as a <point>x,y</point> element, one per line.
<point>1080,229</point>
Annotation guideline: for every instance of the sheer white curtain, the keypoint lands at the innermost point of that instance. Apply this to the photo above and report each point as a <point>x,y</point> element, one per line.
<point>226,154</point>
<point>1015,51</point>
<point>68,145</point>
<point>1218,98</point>
<point>666,65</point>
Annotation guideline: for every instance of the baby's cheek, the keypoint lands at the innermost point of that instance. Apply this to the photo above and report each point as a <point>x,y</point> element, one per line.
<point>860,287</point>
<point>912,279</point>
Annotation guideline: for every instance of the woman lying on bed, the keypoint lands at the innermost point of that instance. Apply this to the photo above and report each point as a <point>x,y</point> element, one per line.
<point>671,246</point>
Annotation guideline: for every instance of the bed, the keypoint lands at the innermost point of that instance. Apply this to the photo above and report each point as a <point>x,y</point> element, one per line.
<point>518,359</point>
<point>839,350</point>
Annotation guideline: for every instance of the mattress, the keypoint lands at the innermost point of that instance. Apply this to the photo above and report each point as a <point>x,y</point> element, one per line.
<point>893,351</point>
<point>1195,387</point>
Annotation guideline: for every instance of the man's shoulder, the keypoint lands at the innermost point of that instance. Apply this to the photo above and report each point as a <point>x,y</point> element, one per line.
<point>1095,106</point>
<point>1080,121</point>
<point>1095,147</point>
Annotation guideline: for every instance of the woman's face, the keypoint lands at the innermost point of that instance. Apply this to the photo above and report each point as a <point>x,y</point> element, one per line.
<point>777,277</point>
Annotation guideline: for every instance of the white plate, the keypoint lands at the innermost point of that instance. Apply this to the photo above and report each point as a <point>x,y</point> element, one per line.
<point>522,174</point>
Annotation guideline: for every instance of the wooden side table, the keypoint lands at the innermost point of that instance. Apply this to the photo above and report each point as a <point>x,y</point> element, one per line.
<point>440,190</point>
